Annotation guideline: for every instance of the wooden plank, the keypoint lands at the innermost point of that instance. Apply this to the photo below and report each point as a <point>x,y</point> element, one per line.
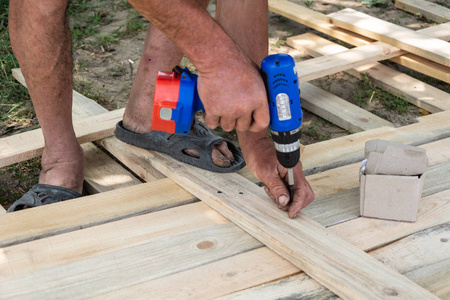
<point>133,235</point>
<point>434,210</point>
<point>24,146</point>
<point>126,155</point>
<point>54,252</point>
<point>326,65</point>
<point>421,8</point>
<point>101,173</point>
<point>416,254</point>
<point>412,90</point>
<point>222,277</point>
<point>144,260</point>
<point>82,106</point>
<point>349,273</point>
<point>432,48</point>
<point>344,206</point>
<point>63,249</point>
<point>338,111</point>
<point>90,210</point>
<point>348,149</point>
<point>318,21</point>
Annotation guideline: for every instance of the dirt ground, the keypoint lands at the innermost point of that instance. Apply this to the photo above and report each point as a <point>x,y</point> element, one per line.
<point>105,71</point>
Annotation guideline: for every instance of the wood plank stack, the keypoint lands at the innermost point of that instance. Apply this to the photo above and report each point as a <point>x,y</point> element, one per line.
<point>156,240</point>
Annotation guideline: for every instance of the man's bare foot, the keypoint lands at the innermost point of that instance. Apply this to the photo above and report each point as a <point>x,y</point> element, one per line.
<point>63,169</point>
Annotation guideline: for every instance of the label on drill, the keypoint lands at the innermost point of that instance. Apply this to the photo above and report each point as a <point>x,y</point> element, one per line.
<point>283,107</point>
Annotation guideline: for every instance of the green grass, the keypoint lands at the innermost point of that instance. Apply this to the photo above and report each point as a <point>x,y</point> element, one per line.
<point>366,91</point>
<point>16,110</point>
<point>309,3</point>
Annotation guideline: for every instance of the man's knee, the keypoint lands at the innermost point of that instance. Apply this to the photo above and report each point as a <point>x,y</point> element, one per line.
<point>41,8</point>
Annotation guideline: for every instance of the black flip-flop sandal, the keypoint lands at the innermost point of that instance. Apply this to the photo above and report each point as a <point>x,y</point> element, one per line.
<point>43,194</point>
<point>201,139</point>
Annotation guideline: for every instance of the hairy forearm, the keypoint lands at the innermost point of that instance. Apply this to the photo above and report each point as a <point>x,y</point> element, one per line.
<point>191,28</point>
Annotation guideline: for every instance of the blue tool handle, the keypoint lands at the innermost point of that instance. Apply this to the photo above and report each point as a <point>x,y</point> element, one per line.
<point>188,104</point>
<point>283,92</point>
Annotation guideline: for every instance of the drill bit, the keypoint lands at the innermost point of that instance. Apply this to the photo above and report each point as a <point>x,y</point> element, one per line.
<point>291,183</point>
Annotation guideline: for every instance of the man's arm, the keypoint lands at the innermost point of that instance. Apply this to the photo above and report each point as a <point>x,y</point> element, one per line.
<point>229,84</point>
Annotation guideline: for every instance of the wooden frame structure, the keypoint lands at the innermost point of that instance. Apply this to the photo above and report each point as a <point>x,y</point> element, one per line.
<point>157,240</point>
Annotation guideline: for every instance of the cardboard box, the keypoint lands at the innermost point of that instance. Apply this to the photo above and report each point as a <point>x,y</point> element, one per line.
<point>391,180</point>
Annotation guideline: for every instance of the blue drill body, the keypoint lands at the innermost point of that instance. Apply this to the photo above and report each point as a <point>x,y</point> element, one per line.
<point>285,108</point>
<point>188,103</point>
<point>177,101</point>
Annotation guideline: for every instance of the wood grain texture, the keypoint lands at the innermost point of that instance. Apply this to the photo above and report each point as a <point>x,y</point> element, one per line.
<point>100,240</point>
<point>433,211</point>
<point>414,91</point>
<point>338,111</point>
<point>230,274</point>
<point>421,8</point>
<point>349,273</point>
<point>319,22</point>
<point>109,242</point>
<point>349,149</point>
<point>104,239</point>
<point>345,205</point>
<point>101,172</point>
<point>145,260</point>
<point>129,156</point>
<point>326,65</point>
<point>415,42</point>
<point>422,257</point>
<point>90,210</point>
<point>24,146</point>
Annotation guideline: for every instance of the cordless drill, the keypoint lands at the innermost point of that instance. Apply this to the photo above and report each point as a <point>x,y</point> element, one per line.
<point>176,102</point>
<point>286,116</point>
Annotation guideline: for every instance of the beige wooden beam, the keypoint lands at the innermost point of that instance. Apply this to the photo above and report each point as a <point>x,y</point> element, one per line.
<point>24,146</point>
<point>90,210</point>
<point>338,111</point>
<point>429,10</point>
<point>318,21</point>
<point>349,272</point>
<point>414,91</point>
<point>101,172</point>
<point>415,42</point>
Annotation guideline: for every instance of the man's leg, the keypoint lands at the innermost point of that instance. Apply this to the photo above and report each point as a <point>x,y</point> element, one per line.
<point>159,54</point>
<point>40,38</point>
<point>246,22</point>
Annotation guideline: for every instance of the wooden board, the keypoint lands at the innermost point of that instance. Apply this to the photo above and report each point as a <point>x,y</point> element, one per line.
<point>318,21</point>
<point>398,36</point>
<point>344,272</point>
<point>426,9</point>
<point>23,146</point>
<point>90,210</point>
<point>101,172</point>
<point>106,242</point>
<point>326,65</point>
<point>349,149</point>
<point>410,256</point>
<point>414,91</point>
<point>338,111</point>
